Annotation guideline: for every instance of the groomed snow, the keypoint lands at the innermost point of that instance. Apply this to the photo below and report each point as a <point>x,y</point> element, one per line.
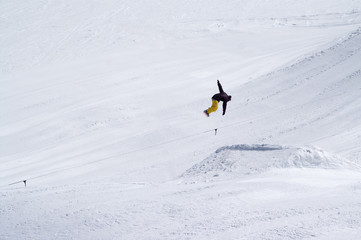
<point>101,116</point>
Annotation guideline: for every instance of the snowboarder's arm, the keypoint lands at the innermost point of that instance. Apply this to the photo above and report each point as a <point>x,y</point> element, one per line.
<point>224,107</point>
<point>220,87</point>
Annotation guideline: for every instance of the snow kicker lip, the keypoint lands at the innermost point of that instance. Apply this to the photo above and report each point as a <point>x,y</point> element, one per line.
<point>254,147</point>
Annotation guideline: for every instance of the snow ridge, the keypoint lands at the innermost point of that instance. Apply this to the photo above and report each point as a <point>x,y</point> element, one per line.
<point>335,54</point>
<point>241,160</point>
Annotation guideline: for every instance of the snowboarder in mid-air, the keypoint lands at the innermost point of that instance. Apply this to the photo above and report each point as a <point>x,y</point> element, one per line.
<point>221,96</point>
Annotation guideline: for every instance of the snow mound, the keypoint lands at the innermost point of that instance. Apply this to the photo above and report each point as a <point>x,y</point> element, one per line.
<point>253,159</point>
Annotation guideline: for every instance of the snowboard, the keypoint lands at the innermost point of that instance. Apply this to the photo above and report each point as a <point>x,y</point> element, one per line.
<point>206,113</point>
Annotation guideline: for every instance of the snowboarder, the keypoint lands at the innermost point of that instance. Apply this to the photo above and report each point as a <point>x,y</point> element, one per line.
<point>221,96</point>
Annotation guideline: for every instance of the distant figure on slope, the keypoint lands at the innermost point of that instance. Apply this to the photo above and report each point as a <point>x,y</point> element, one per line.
<point>221,96</point>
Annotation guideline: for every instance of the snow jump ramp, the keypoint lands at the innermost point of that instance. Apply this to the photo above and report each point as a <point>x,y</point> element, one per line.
<point>244,160</point>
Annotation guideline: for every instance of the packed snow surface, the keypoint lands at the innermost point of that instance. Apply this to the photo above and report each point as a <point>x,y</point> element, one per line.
<point>101,118</point>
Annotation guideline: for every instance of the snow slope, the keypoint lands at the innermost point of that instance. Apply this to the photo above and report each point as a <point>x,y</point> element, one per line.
<point>101,113</point>
<point>320,202</point>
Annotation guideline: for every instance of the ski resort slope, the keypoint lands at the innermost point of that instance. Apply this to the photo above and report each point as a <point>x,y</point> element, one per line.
<point>101,117</point>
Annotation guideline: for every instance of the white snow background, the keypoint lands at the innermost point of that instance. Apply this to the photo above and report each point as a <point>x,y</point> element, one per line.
<point>101,114</point>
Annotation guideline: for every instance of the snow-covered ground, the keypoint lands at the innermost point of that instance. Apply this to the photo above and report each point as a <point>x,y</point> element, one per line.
<point>101,113</point>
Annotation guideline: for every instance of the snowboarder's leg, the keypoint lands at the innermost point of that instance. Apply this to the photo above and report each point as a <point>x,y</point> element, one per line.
<point>214,107</point>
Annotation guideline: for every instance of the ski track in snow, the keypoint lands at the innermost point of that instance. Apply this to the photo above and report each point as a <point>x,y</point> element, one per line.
<point>101,113</point>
